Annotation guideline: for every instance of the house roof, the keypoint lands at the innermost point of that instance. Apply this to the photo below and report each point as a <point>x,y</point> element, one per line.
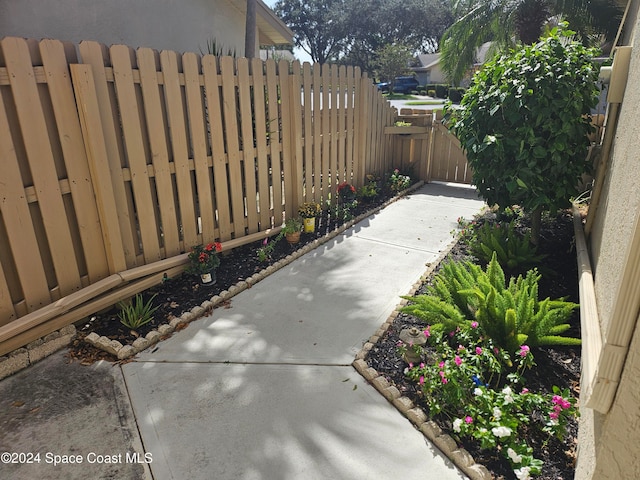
<point>427,61</point>
<point>271,29</point>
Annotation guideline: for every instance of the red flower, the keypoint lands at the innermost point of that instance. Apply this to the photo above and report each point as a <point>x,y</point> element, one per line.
<point>203,258</point>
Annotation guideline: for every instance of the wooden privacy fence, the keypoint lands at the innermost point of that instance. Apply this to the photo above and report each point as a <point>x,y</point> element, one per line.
<point>115,162</point>
<point>427,147</point>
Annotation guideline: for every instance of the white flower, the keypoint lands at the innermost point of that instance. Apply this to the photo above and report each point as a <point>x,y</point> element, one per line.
<point>508,395</point>
<point>477,392</point>
<point>515,458</point>
<point>523,473</point>
<point>456,425</point>
<point>497,413</point>
<point>501,431</point>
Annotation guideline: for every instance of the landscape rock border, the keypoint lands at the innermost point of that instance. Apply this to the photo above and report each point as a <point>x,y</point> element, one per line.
<point>430,429</point>
<point>123,352</point>
<point>35,351</point>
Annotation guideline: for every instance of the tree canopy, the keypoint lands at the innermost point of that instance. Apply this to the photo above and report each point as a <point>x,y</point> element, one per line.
<point>509,22</point>
<point>352,31</point>
<point>524,121</point>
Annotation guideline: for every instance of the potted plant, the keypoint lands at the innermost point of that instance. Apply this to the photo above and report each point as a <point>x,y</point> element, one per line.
<point>308,212</point>
<point>204,261</point>
<point>292,228</point>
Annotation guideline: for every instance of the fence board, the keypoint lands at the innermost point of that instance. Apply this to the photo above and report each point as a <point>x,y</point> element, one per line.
<point>214,110</point>
<point>262,160</point>
<point>306,134</point>
<point>70,135</point>
<point>179,148</point>
<point>248,149</point>
<point>148,66</point>
<point>230,109</point>
<point>198,129</point>
<point>297,135</point>
<point>42,163</point>
<point>20,232</point>
<point>96,55</point>
<point>357,181</point>
<point>326,132</point>
<point>136,153</point>
<point>317,135</point>
<point>274,141</point>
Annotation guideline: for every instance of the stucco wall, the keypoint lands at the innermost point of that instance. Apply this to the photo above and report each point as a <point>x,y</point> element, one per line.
<point>612,440</point>
<point>620,201</point>
<point>181,25</point>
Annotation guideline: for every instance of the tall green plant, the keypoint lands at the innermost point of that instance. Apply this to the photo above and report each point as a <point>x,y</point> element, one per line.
<point>524,123</point>
<point>514,252</point>
<point>509,313</point>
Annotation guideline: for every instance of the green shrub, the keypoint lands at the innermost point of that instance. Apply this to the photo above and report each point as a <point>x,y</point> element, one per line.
<point>510,315</point>
<point>442,91</point>
<point>431,93</point>
<point>456,94</point>
<point>515,252</point>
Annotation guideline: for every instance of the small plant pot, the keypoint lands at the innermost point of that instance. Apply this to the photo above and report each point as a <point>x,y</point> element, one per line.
<point>208,278</point>
<point>309,224</point>
<point>293,238</point>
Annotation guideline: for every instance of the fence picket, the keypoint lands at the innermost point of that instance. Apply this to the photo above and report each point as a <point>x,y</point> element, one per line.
<point>55,65</point>
<point>307,134</point>
<point>136,152</point>
<point>274,141</point>
<point>248,150</point>
<point>148,66</point>
<point>262,160</point>
<point>179,148</point>
<point>31,282</point>
<point>97,56</point>
<point>220,176</point>
<point>41,162</point>
<point>198,130</point>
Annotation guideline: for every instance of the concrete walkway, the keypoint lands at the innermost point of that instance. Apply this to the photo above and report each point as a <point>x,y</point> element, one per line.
<point>264,390</point>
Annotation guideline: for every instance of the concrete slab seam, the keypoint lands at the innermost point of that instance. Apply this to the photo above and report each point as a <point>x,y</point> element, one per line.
<point>418,417</point>
<point>35,351</point>
<point>163,331</point>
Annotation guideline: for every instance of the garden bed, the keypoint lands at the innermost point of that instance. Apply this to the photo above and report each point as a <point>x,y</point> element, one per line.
<point>183,299</point>
<point>559,366</point>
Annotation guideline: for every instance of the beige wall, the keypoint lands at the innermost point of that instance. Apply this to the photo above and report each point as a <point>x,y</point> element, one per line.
<point>181,25</point>
<point>609,444</point>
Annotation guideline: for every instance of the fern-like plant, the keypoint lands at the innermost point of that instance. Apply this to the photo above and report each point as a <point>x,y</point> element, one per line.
<point>510,314</point>
<point>514,251</point>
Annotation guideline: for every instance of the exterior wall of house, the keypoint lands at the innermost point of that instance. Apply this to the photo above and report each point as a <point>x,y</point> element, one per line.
<point>181,25</point>
<point>608,444</point>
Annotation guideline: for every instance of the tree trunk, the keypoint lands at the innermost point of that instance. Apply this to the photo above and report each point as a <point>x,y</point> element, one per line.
<point>536,220</point>
<point>250,30</point>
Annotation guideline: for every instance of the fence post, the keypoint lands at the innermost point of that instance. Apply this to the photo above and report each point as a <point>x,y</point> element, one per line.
<point>362,125</point>
<point>89,113</point>
<point>295,112</point>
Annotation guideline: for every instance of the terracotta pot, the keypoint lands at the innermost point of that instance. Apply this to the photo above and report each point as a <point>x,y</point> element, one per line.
<point>293,238</point>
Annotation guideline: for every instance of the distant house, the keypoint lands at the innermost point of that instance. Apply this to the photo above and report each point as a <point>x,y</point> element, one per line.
<point>428,70</point>
<point>180,25</point>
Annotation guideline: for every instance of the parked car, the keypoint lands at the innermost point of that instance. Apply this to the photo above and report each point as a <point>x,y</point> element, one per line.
<point>383,86</point>
<point>405,84</point>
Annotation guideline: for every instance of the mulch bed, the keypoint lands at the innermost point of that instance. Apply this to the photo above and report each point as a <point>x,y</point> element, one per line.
<point>180,294</point>
<point>555,366</point>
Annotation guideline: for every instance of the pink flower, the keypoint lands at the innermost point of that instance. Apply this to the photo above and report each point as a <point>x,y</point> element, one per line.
<point>468,420</point>
<point>421,380</point>
<point>553,415</point>
<point>524,350</point>
<point>441,365</point>
<point>478,351</point>
<point>474,324</point>
<point>427,333</point>
<point>524,390</point>
<point>458,360</point>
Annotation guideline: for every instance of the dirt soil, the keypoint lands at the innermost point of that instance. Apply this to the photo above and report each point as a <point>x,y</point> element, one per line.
<point>555,366</point>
